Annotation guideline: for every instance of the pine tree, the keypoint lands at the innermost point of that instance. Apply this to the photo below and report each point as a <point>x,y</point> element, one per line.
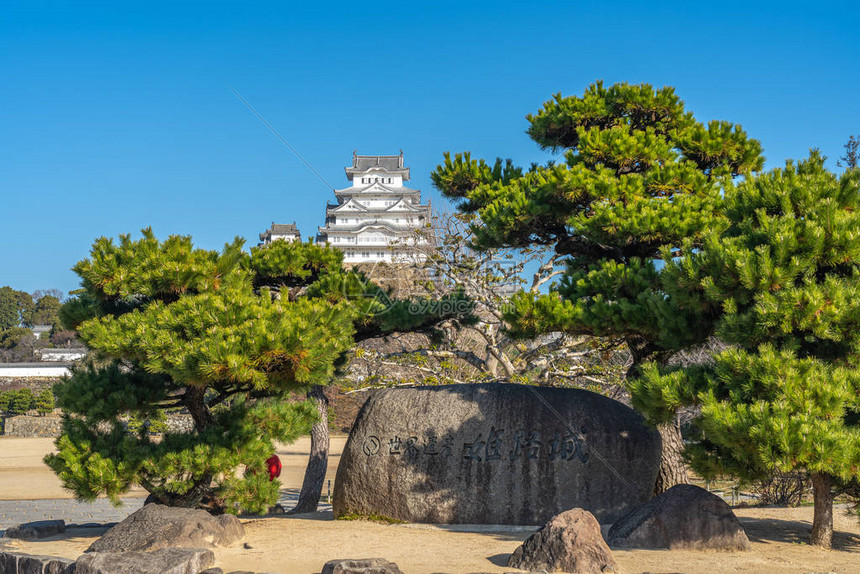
<point>44,402</point>
<point>786,396</point>
<point>176,326</point>
<point>639,175</point>
<point>22,401</point>
<point>851,159</point>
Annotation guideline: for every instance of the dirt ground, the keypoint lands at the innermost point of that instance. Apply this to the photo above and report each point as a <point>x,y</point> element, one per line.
<point>303,544</point>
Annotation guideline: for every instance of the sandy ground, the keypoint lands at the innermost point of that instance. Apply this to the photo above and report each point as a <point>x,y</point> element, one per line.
<point>23,475</point>
<point>303,544</point>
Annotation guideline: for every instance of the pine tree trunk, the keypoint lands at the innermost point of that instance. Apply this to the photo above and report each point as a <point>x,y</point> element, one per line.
<point>312,485</point>
<point>196,405</point>
<point>822,522</point>
<point>672,469</point>
<point>200,495</point>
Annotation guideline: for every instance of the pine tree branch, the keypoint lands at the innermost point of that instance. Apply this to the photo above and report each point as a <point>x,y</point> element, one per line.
<point>467,356</point>
<point>423,370</point>
<point>545,273</point>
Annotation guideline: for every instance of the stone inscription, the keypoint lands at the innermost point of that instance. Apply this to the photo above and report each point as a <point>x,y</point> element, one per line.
<point>493,445</point>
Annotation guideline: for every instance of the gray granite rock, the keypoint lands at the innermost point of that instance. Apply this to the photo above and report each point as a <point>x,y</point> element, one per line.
<point>685,516</point>
<point>20,563</point>
<point>164,561</point>
<point>36,530</point>
<point>361,566</point>
<point>569,542</point>
<point>495,454</point>
<point>157,526</point>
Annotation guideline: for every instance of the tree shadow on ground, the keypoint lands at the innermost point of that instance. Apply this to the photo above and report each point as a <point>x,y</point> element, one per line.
<point>767,530</point>
<point>319,516</point>
<point>72,533</point>
<point>497,532</point>
<point>89,531</point>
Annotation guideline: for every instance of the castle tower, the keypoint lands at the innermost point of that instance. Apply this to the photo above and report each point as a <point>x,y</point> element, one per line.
<point>280,231</point>
<point>376,218</point>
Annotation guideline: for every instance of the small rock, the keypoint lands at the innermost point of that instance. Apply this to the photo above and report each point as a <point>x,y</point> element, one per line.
<point>164,561</point>
<point>156,526</point>
<point>683,517</point>
<point>247,546</point>
<point>361,566</point>
<point>569,542</point>
<point>277,510</point>
<point>213,570</point>
<point>36,530</point>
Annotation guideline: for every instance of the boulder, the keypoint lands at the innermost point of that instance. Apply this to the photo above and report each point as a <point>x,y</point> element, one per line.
<point>156,526</point>
<point>361,566</point>
<point>569,542</point>
<point>685,516</point>
<point>36,530</point>
<point>20,563</point>
<point>164,561</point>
<point>495,453</point>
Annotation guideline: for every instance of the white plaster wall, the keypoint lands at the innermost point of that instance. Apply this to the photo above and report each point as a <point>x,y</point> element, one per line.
<point>396,180</point>
<point>24,372</point>
<point>54,355</point>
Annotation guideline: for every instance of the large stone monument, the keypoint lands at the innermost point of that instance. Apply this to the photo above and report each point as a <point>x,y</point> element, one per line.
<point>495,454</point>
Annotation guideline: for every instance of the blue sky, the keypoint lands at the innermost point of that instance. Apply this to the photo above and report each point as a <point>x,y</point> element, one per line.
<point>116,116</point>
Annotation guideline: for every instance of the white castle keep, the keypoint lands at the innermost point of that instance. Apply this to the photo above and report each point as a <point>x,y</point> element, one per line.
<point>376,219</point>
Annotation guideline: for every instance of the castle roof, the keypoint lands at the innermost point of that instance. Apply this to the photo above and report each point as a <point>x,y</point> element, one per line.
<point>392,164</point>
<point>376,224</point>
<point>353,205</point>
<point>380,188</point>
<point>280,229</point>
<point>349,205</point>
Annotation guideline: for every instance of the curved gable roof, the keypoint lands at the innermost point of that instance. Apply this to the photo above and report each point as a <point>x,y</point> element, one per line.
<point>350,205</point>
<point>402,205</point>
<point>386,163</point>
<point>380,188</point>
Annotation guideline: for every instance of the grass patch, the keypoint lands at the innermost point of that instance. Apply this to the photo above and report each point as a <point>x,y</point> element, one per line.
<point>379,518</point>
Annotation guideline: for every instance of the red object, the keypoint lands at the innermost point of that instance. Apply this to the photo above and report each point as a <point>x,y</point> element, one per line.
<point>273,464</point>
